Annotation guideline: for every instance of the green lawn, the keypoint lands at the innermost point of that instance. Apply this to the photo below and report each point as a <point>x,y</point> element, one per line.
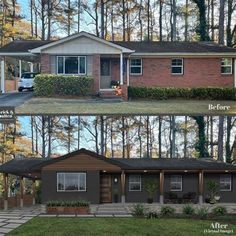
<point>114,226</point>
<point>89,107</point>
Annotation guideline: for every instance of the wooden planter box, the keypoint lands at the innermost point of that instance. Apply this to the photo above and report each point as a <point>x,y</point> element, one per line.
<point>68,210</point>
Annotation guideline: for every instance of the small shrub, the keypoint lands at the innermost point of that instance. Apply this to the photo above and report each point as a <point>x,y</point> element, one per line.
<point>167,211</point>
<point>139,210</point>
<point>184,93</point>
<point>152,215</point>
<point>219,211</point>
<point>188,210</point>
<point>52,85</point>
<point>203,212</point>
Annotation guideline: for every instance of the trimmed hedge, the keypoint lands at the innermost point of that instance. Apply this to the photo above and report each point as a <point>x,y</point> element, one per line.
<point>54,85</point>
<point>184,93</point>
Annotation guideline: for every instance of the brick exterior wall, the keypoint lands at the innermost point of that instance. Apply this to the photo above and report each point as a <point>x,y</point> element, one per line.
<point>45,63</point>
<point>96,71</point>
<point>198,72</point>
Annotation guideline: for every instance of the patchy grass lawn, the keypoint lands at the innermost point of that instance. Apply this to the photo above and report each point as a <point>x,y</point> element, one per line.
<point>96,107</point>
<point>114,226</point>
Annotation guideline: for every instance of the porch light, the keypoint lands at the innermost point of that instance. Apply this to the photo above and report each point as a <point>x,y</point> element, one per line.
<point>104,171</point>
<point>115,180</point>
<point>185,171</point>
<point>145,171</point>
<point>29,174</point>
<point>226,171</point>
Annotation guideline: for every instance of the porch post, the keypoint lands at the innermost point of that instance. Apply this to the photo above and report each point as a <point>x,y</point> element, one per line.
<point>200,186</point>
<point>161,187</point>
<point>127,71</point>
<point>31,67</point>
<point>5,181</point>
<point>121,69</point>
<point>3,75</point>
<point>34,187</point>
<point>21,191</point>
<point>20,68</point>
<point>122,187</point>
<point>234,71</point>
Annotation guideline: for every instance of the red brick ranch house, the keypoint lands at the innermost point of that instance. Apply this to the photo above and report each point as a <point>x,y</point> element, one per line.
<point>149,64</point>
<point>88,176</point>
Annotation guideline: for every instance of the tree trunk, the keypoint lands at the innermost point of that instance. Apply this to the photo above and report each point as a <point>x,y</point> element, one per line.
<point>221,22</point>
<point>220,138</point>
<point>159,137</point>
<point>102,19</point>
<point>160,19</point>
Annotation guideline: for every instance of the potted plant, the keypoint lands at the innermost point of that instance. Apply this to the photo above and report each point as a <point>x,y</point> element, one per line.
<point>212,188</point>
<point>150,186</point>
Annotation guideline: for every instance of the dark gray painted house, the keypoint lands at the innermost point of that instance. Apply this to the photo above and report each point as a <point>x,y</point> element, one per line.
<point>85,175</point>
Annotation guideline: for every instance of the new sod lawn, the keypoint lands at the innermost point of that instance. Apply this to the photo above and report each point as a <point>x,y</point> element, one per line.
<point>98,107</point>
<point>57,226</point>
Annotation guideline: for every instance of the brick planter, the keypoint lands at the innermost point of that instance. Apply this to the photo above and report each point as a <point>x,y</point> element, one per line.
<point>68,210</point>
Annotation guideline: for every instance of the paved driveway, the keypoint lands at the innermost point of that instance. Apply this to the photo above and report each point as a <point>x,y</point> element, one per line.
<point>12,219</point>
<point>15,99</point>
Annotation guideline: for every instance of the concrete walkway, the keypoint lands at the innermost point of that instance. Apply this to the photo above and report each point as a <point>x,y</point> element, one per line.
<point>14,218</point>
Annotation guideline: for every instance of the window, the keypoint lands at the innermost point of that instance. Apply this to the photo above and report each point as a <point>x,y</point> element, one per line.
<point>134,182</point>
<point>176,183</point>
<point>71,65</point>
<point>226,66</point>
<point>177,66</point>
<point>136,67</point>
<point>225,182</point>
<point>71,182</point>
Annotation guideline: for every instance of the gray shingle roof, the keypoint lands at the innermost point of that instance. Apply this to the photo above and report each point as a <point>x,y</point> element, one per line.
<point>139,47</point>
<point>173,164</point>
<point>22,45</point>
<point>176,47</point>
<point>23,165</point>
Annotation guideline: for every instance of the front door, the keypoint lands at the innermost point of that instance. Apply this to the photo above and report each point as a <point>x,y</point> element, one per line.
<point>105,189</point>
<point>105,82</point>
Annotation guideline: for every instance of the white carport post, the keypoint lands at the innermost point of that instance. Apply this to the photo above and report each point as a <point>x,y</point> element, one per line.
<point>234,71</point>
<point>31,67</point>
<point>20,68</point>
<point>121,69</point>
<point>127,71</point>
<point>3,75</point>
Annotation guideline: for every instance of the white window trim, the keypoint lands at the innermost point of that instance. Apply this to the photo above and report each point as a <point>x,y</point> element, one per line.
<point>182,66</point>
<point>140,184</point>
<point>226,190</point>
<point>130,66</point>
<point>176,190</point>
<point>79,173</point>
<point>78,57</point>
<point>231,66</point>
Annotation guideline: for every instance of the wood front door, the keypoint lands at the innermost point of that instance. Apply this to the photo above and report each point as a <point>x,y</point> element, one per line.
<point>105,189</point>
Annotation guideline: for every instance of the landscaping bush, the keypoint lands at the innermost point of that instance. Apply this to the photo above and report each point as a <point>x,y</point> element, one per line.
<point>139,210</point>
<point>188,210</point>
<point>167,211</point>
<point>152,215</point>
<point>79,203</point>
<point>203,212</point>
<point>219,211</point>
<point>54,85</point>
<point>184,93</point>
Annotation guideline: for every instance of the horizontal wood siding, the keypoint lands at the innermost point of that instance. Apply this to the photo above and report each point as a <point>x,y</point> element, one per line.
<point>81,162</point>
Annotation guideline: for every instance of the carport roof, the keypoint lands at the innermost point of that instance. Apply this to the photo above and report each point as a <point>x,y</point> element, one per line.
<point>22,46</point>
